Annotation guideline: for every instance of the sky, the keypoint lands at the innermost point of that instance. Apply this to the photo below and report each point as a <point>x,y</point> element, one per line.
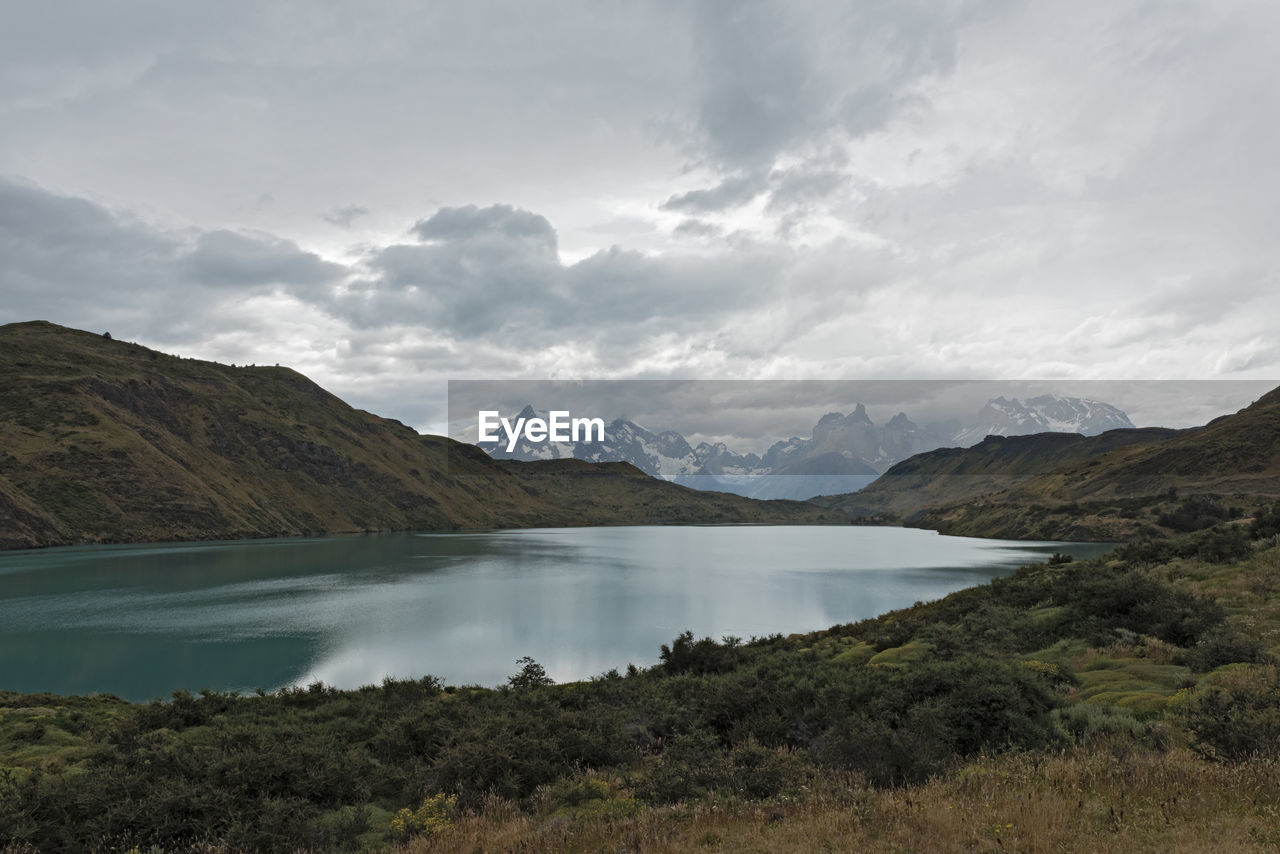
<point>388,195</point>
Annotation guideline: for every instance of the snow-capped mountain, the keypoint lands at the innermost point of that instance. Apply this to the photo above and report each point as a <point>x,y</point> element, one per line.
<point>1043,414</point>
<point>664,454</point>
<point>842,454</point>
<point>717,459</point>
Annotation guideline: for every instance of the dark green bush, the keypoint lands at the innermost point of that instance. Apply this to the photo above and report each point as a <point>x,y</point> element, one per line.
<point>1223,544</point>
<point>1239,717</point>
<point>1195,513</point>
<point>1266,523</point>
<point>1219,544</point>
<point>686,655</point>
<point>1221,647</point>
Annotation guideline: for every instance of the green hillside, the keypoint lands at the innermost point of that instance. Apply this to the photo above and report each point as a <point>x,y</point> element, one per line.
<point>106,441</point>
<point>1118,485</point>
<point>947,475</point>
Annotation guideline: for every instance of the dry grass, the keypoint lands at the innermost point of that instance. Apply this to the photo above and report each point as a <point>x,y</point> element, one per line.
<point>1095,800</point>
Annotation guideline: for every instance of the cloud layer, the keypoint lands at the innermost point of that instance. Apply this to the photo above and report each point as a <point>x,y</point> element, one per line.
<point>721,190</point>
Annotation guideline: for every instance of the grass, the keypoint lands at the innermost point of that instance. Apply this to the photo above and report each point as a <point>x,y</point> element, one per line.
<point>1250,591</point>
<point>47,733</point>
<point>1093,799</point>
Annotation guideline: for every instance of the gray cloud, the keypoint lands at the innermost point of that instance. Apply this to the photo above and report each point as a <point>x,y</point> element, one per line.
<point>786,188</point>
<point>345,216</point>
<point>477,270</point>
<point>729,193</point>
<point>772,80</point>
<point>494,271</point>
<point>230,259</point>
<point>61,253</point>
<point>697,228</point>
<point>76,262</point>
<point>501,222</point>
<point>799,187</point>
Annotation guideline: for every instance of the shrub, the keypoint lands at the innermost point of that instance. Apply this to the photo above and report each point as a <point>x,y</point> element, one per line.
<point>1217,544</point>
<point>1221,647</point>
<point>1146,552</point>
<point>1085,722</point>
<point>531,675</point>
<point>689,767</point>
<point>1196,513</point>
<point>434,815</point>
<point>1266,523</point>
<point>886,755</point>
<point>1223,544</point>
<point>1238,716</point>
<point>686,655</point>
<point>1100,600</point>
<point>906,724</point>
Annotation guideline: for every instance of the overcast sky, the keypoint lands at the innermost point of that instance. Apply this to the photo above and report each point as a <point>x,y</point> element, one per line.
<point>388,195</point>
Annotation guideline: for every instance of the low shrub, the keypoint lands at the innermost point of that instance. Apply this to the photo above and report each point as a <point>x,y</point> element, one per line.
<point>1238,715</point>
<point>436,813</point>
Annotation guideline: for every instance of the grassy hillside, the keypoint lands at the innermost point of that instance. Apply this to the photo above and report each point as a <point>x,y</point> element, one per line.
<point>1116,486</point>
<point>107,441</point>
<point>1235,454</point>
<point>1123,704</point>
<point>948,475</point>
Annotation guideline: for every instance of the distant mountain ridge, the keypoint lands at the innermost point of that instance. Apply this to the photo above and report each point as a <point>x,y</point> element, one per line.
<point>107,441</point>
<point>844,452</point>
<point>1043,414</point>
<point>1114,485</point>
<point>950,475</point>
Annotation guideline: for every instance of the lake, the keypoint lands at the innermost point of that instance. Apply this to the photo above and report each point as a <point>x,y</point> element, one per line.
<point>140,621</point>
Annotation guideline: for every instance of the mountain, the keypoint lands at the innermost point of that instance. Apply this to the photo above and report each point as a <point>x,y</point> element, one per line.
<point>843,453</point>
<point>816,469</point>
<point>866,448</point>
<point>1043,414</point>
<point>1237,453</point>
<point>107,441</point>
<point>717,459</point>
<point>1114,485</point>
<point>949,475</point>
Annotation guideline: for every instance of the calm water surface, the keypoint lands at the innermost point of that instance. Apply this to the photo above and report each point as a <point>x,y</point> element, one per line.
<point>141,621</point>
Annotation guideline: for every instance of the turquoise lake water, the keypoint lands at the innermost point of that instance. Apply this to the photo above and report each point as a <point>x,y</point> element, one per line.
<point>141,621</point>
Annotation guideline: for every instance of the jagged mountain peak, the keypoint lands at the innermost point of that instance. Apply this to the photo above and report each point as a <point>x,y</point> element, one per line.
<point>900,422</point>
